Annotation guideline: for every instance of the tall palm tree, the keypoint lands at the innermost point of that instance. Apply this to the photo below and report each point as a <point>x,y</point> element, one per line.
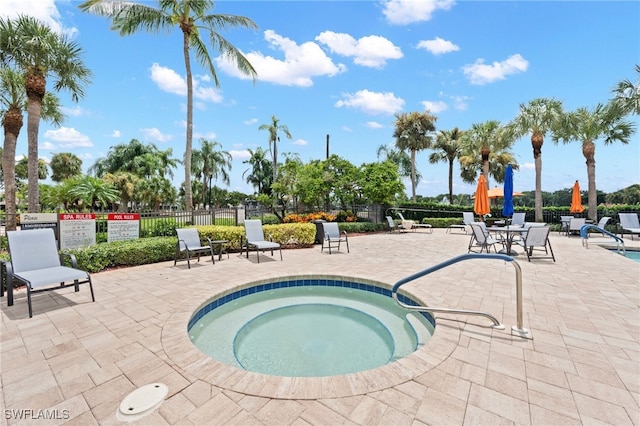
<point>92,191</point>
<point>447,148</point>
<point>210,164</point>
<point>49,55</point>
<point>605,122</point>
<point>64,165</point>
<point>260,173</point>
<point>538,118</point>
<point>486,147</point>
<point>192,19</point>
<point>628,94</point>
<point>400,158</point>
<point>273,128</point>
<point>413,133</point>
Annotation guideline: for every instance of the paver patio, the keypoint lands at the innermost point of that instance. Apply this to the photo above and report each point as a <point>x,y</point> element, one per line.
<point>77,360</point>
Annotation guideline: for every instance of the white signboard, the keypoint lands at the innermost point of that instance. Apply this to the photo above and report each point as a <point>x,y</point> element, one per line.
<point>123,226</point>
<point>38,220</point>
<point>77,230</point>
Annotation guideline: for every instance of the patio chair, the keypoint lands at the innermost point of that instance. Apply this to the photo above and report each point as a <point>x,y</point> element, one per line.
<point>407,224</point>
<point>189,243</point>
<point>518,219</point>
<point>480,238</point>
<point>393,227</point>
<point>36,263</point>
<point>564,224</point>
<point>255,238</point>
<point>467,219</point>
<point>575,224</point>
<point>413,225</point>
<point>629,224</point>
<point>538,239</point>
<point>333,237</point>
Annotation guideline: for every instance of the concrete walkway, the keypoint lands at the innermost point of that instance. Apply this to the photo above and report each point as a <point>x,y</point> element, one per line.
<point>76,360</point>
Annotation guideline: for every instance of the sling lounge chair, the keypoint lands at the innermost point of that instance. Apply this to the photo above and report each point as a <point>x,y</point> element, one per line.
<point>629,224</point>
<point>467,219</point>
<point>36,263</point>
<point>255,239</point>
<point>189,243</point>
<point>333,237</point>
<point>415,225</point>
<point>538,239</point>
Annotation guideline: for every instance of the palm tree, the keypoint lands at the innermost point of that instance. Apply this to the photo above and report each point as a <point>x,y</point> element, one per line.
<point>447,148</point>
<point>628,94</point>
<point>400,158</point>
<point>210,164</point>
<point>412,133</point>
<point>192,19</point>
<point>486,147</point>
<point>91,191</point>
<point>260,173</point>
<point>586,126</point>
<point>49,55</point>
<point>64,165</point>
<point>273,130</point>
<point>537,118</point>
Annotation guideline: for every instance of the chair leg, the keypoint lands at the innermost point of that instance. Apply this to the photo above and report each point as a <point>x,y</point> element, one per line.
<point>29,300</point>
<point>347,241</point>
<point>551,250</point>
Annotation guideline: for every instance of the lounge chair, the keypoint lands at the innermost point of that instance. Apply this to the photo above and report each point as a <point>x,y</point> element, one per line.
<point>393,227</point>
<point>36,263</point>
<point>518,219</point>
<point>481,238</point>
<point>333,237</point>
<point>467,219</point>
<point>189,243</point>
<point>415,225</point>
<point>564,224</point>
<point>255,238</point>
<point>537,239</point>
<point>575,224</point>
<point>407,224</point>
<point>629,224</point>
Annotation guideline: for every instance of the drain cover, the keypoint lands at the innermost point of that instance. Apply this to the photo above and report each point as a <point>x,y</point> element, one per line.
<point>142,401</point>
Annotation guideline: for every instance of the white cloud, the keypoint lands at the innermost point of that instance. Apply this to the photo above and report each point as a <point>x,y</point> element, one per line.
<point>402,12</point>
<point>370,51</point>
<point>47,146</point>
<point>43,10</point>
<point>434,106</point>
<point>155,135</point>
<point>208,136</point>
<point>480,73</point>
<point>438,46</point>
<point>372,102</point>
<point>528,166</point>
<point>115,134</point>
<point>170,81</point>
<point>374,125</point>
<point>301,63</point>
<point>67,137</point>
<point>240,154</point>
<point>460,102</point>
<point>73,112</point>
<point>250,121</point>
<point>300,142</point>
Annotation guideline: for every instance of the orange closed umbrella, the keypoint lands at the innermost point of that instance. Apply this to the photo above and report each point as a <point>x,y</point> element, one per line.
<point>576,199</point>
<point>481,203</point>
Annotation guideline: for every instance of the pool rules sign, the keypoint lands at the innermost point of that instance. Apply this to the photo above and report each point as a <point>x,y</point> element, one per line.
<point>77,230</point>
<point>123,226</point>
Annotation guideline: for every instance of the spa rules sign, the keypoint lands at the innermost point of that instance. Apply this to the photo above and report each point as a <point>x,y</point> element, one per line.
<point>77,230</point>
<point>123,226</point>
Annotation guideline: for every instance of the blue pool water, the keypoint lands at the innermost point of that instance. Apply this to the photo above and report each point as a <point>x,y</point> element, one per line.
<point>309,328</point>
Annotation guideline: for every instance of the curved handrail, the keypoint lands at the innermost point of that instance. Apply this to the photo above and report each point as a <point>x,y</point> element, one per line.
<point>585,235</point>
<point>496,323</point>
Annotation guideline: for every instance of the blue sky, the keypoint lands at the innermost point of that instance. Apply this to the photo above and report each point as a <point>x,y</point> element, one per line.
<point>344,68</point>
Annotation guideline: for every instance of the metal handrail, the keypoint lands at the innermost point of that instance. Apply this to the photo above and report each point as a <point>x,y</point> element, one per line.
<point>519,329</point>
<point>585,235</point>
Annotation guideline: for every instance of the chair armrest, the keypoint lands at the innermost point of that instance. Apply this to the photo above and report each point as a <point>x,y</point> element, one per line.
<point>344,233</point>
<point>72,259</point>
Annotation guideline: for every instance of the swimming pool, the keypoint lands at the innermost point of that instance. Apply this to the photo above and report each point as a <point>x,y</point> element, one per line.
<point>308,327</point>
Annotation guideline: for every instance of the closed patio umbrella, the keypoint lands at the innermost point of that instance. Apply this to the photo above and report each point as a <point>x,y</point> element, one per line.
<point>481,202</point>
<point>576,199</point>
<point>507,208</point>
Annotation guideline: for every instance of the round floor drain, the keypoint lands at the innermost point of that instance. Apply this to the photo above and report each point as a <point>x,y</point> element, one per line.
<point>142,401</point>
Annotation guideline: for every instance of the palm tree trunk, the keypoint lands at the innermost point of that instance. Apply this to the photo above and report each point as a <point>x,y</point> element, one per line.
<point>450,181</point>
<point>538,193</point>
<point>12,125</point>
<point>33,125</point>
<point>589,152</point>
<point>188,196</point>
<point>413,175</point>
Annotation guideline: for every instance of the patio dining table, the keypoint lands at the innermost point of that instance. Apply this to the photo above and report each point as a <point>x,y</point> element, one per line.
<point>509,232</point>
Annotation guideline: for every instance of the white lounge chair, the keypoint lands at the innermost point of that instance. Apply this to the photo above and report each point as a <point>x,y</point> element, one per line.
<point>189,243</point>
<point>415,225</point>
<point>575,224</point>
<point>467,219</point>
<point>537,239</point>
<point>393,227</point>
<point>629,224</point>
<point>255,238</point>
<point>481,238</point>
<point>333,237</point>
<point>407,224</point>
<point>36,263</point>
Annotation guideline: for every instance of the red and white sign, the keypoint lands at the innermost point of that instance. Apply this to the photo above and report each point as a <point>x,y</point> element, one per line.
<point>77,230</point>
<point>123,226</point>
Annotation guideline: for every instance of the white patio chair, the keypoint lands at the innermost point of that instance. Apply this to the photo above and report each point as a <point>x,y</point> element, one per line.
<point>518,219</point>
<point>189,243</point>
<point>481,238</point>
<point>36,263</point>
<point>255,238</point>
<point>629,224</point>
<point>333,237</point>
<point>575,224</point>
<point>538,239</point>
